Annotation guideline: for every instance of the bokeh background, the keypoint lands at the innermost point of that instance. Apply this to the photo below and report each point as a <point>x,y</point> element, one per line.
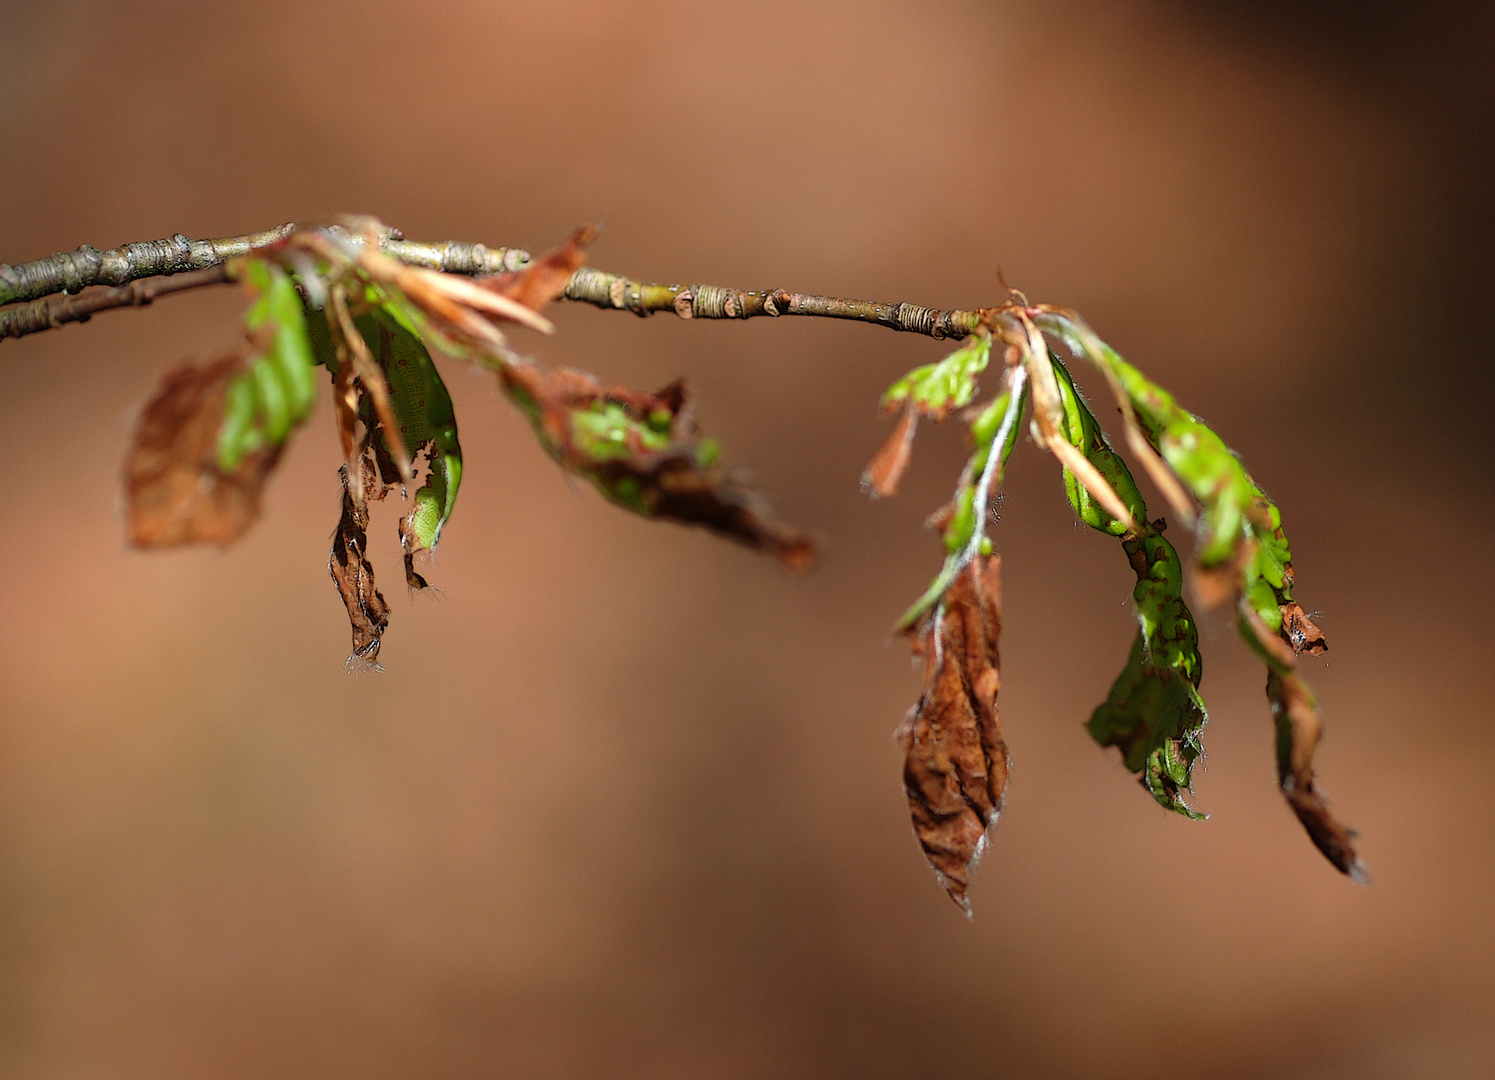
<point>625,802</point>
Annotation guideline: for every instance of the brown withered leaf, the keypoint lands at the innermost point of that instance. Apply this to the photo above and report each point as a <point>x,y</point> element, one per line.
<point>1298,732</point>
<point>886,469</point>
<point>1295,714</point>
<point>349,564</point>
<point>646,452</point>
<point>1299,631</point>
<point>377,457</point>
<point>174,491</point>
<point>544,279</point>
<point>414,580</point>
<point>955,767</point>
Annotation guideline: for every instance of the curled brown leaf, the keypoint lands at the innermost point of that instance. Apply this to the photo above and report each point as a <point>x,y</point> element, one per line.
<point>174,491</point>
<point>349,565</point>
<point>370,373</point>
<point>645,451</point>
<point>1295,714</point>
<point>1298,731</point>
<point>956,764</point>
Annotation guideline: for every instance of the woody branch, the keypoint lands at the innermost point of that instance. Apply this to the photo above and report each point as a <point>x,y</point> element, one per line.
<point>135,274</point>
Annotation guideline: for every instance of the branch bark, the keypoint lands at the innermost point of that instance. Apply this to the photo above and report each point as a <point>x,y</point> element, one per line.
<point>137,275</point>
<point>53,311</point>
<point>72,271</point>
<point>613,291</point>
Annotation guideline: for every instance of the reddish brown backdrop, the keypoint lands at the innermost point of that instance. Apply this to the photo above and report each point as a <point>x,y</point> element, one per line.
<point>625,802</point>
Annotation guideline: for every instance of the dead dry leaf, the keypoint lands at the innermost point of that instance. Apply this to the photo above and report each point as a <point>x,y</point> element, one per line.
<point>956,763</point>
<point>1298,732</point>
<point>174,491</point>
<point>349,565</point>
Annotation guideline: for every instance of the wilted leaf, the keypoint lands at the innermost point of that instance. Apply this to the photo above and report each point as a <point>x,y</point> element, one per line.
<point>1233,511</point>
<point>1053,400</point>
<point>1244,551</point>
<point>955,766</point>
<point>1295,714</point>
<point>355,353</point>
<point>1154,713</point>
<point>933,391</point>
<point>646,452</point>
<point>175,489</point>
<point>1298,731</point>
<point>349,564</point>
<point>421,528</point>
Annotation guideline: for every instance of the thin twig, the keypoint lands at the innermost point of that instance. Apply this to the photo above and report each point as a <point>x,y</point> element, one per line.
<point>54,311</point>
<point>199,262</point>
<point>72,271</point>
<point>613,291</point>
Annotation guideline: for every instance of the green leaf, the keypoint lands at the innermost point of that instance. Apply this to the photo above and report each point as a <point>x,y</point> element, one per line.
<point>605,431</point>
<point>1199,458</point>
<point>434,500</point>
<point>277,390</point>
<point>1154,713</point>
<point>323,353</point>
<point>1233,512</point>
<point>1084,434</point>
<point>960,526</point>
<point>423,409</point>
<point>935,389</point>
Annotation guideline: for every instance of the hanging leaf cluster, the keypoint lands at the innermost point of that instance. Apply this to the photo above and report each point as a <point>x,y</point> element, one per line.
<point>955,758</point>
<point>328,298</point>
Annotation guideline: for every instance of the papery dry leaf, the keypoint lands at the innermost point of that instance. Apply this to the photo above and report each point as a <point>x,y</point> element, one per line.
<point>370,373</point>
<point>174,491</point>
<point>886,469</point>
<point>646,452</point>
<point>546,278</point>
<point>349,565</point>
<point>1295,714</point>
<point>1298,732</point>
<point>956,763</point>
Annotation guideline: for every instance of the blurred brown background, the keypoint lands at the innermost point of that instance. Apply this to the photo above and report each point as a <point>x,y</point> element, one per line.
<point>625,802</point>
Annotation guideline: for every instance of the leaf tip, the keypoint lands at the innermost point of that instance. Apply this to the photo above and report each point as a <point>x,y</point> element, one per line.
<point>885,471</point>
